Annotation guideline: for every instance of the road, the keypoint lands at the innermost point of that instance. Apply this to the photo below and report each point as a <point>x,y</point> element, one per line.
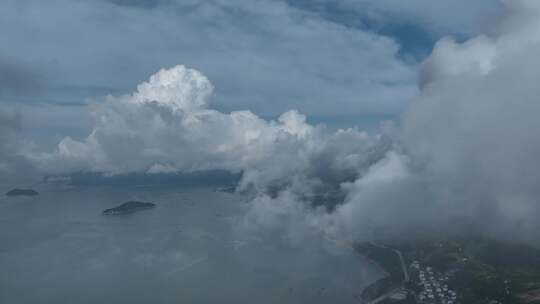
<point>403,267</point>
<point>385,296</point>
<point>406,277</point>
<point>401,260</point>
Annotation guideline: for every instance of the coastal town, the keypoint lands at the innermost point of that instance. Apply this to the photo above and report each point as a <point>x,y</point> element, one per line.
<point>432,287</point>
<point>453,271</point>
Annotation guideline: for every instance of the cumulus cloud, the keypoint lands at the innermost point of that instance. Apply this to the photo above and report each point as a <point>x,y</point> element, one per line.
<point>166,125</point>
<point>474,126</point>
<point>465,159</point>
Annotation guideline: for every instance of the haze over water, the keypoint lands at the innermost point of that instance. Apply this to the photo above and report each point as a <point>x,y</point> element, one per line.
<point>59,248</point>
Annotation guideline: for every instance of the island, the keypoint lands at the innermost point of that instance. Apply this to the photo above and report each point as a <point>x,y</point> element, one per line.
<point>129,207</point>
<point>22,192</point>
<point>230,189</point>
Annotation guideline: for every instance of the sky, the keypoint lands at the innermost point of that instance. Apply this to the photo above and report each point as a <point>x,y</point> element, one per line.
<point>325,58</point>
<point>400,115</point>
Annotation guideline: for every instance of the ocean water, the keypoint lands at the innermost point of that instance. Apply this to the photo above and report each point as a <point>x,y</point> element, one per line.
<point>59,248</point>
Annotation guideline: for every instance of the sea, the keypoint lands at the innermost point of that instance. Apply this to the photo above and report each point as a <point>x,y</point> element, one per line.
<point>58,247</point>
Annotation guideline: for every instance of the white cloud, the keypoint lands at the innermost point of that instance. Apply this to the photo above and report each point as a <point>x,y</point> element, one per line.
<point>474,126</point>
<point>469,160</point>
<point>166,125</point>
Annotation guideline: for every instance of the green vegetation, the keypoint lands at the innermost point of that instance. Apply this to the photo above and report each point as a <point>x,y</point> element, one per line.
<point>129,207</point>
<point>482,270</point>
<point>22,192</point>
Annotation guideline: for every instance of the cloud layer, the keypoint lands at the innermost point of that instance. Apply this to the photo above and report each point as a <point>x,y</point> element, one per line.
<point>469,148</point>
<point>464,160</point>
<point>166,126</point>
<point>263,55</point>
<point>474,126</point>
<point>467,160</point>
<point>455,17</point>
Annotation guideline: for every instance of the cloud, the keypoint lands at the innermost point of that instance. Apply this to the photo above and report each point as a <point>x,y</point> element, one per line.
<point>474,125</point>
<point>295,172</point>
<point>166,125</point>
<point>467,160</point>
<point>464,161</point>
<point>464,18</point>
<point>263,55</point>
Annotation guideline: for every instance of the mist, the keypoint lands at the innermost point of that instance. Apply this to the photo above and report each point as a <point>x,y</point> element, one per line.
<point>59,248</point>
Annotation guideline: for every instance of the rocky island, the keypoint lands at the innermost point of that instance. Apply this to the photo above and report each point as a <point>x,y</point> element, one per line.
<point>22,192</point>
<point>129,207</point>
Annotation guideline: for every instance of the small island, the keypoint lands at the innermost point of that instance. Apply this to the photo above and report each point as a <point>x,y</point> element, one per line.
<point>22,192</point>
<point>230,189</point>
<point>129,207</point>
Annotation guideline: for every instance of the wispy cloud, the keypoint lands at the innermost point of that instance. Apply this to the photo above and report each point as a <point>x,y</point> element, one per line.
<point>263,55</point>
